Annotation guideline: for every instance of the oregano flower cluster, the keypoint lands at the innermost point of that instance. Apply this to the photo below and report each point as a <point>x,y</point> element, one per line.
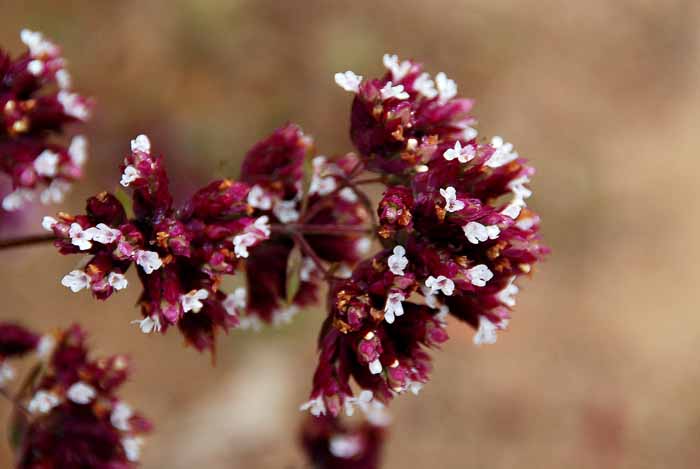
<point>450,237</point>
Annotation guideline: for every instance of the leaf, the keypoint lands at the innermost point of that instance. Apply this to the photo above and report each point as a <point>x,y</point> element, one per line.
<point>293,273</point>
<point>126,201</point>
<point>18,421</point>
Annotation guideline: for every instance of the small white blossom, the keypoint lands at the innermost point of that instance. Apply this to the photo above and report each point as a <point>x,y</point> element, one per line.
<point>398,261</point>
<point>479,275</point>
<point>343,271</point>
<point>452,204</point>
<point>469,133</point>
<point>132,448</point>
<point>486,334</point>
<point>476,232</point>
<point>45,347</point>
<point>17,198</point>
<point>348,194</point>
<point>460,153</point>
<point>282,316</point>
<point>120,416</point>
<point>35,67</point>
<point>81,393</point>
<point>398,69</point>
<point>503,153</point>
<point>262,224</point>
<point>141,144</point>
<point>242,242</point>
<point>348,81</point>
<point>37,44</point>
<point>308,267</point>
<point>76,280</point>
<point>78,150</point>
<point>316,406</point>
<point>48,223</point>
<point>447,89</point>
<point>149,324</point>
<point>148,260</point>
<point>440,283</point>
<point>514,208</point>
<point>507,295</point>
<point>258,198</point>
<point>286,211</point>
<point>43,402</point>
<point>7,374</point>
<point>63,79</point>
<point>361,401</point>
<point>363,245</point>
<point>517,186</point>
<point>130,175</point>
<point>393,91</point>
<point>375,366</point>
<point>55,193</point>
<point>425,86</point>
<point>526,223</point>
<point>103,234</point>
<point>411,144</point>
<point>192,301</point>
<point>235,302</point>
<point>250,322</point>
<point>117,281</point>
<point>72,105</point>
<point>322,181</point>
<point>345,446</point>
<point>393,307</point>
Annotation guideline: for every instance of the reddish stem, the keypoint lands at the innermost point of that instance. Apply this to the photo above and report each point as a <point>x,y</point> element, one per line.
<point>309,251</point>
<point>26,241</point>
<point>20,408</point>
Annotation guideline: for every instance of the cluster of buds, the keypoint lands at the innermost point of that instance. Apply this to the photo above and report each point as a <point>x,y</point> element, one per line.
<point>67,413</point>
<point>180,254</point>
<point>455,230</point>
<point>36,103</point>
<point>332,444</point>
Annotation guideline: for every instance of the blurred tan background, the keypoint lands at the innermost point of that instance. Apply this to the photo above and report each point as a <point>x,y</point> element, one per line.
<point>599,368</point>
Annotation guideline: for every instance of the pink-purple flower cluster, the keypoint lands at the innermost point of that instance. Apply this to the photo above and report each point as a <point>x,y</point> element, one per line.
<point>36,102</point>
<point>67,411</point>
<point>455,231</point>
<point>181,254</point>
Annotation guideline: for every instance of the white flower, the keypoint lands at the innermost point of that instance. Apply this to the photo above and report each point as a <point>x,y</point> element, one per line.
<point>363,245</point>
<point>38,46</point>
<point>76,280</point>
<point>242,242</point>
<point>348,194</point>
<point>503,153</point>
<point>447,89</point>
<point>479,275</point>
<point>149,324</point>
<point>462,154</point>
<point>148,260</point>
<point>469,133</point>
<point>250,322</point>
<point>117,281</point>
<point>451,202</point>
<point>63,79</point>
<point>258,198</point>
<point>81,393</point>
<point>514,208</point>
<point>390,91</point>
<point>7,374</point>
<point>425,86</point>
<point>285,315</point>
<point>507,295</point>
<point>517,186</point>
<point>141,144</point>
<point>348,81</point>
<point>103,234</point>
<point>486,334</point>
<point>16,199</point>
<point>78,150</point>
<point>375,366</point>
<point>286,211</point>
<point>398,261</point>
<point>361,401</point>
<point>192,301</point>
<point>132,448</point>
<point>43,402</point>
<point>476,232</point>
<point>120,416</point>
<point>235,302</point>
<point>46,164</point>
<point>72,105</point>
<point>440,283</point>
<point>45,347</point>
<point>308,267</point>
<point>130,175</point>
<point>393,307</point>
<point>262,224</point>
<point>345,446</point>
<point>398,69</point>
<point>55,192</point>
<point>35,67</point>
<point>316,406</point>
<point>48,223</point>
<point>323,185</point>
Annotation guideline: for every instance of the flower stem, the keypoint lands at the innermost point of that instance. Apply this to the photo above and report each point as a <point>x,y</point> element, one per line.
<point>20,408</point>
<point>309,251</point>
<point>311,229</point>
<point>26,241</point>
